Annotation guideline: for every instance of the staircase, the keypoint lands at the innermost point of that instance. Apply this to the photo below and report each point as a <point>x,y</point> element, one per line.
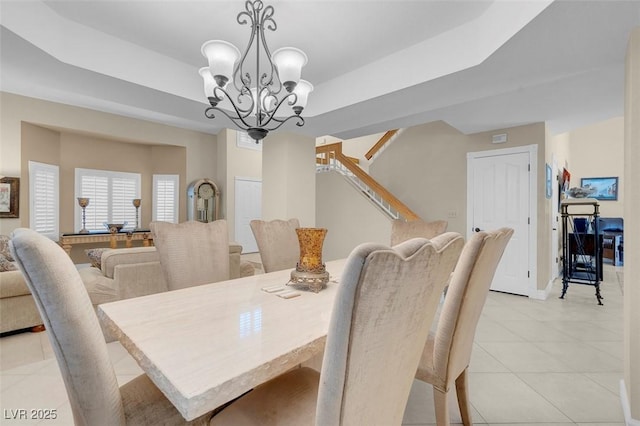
<point>330,158</point>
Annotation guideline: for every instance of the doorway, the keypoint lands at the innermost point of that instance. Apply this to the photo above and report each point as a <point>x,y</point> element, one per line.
<point>501,192</point>
<point>248,206</point>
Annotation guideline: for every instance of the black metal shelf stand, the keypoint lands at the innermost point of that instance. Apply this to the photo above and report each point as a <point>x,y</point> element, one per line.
<point>581,248</point>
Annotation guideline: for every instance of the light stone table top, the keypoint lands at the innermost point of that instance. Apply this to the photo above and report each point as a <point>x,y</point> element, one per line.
<point>206,345</point>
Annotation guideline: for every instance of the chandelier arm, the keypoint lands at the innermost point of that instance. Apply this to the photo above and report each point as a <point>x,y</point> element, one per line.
<point>240,111</point>
<point>300,122</point>
<point>238,121</point>
<point>241,114</point>
<point>272,114</point>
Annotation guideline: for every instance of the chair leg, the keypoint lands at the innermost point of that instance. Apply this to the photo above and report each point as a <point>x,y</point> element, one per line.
<point>442,409</point>
<point>462,389</point>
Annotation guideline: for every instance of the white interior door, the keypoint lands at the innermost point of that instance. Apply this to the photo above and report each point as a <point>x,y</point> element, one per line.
<point>248,207</point>
<point>498,196</point>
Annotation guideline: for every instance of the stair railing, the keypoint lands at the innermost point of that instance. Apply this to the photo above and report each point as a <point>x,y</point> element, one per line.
<point>330,157</point>
<point>380,144</point>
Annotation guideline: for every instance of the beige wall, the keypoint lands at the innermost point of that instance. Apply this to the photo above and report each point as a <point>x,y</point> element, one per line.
<point>632,226</point>
<point>598,151</point>
<point>426,168</point>
<point>240,163</point>
<point>348,216</point>
<point>76,126</point>
<point>289,178</point>
<point>72,150</point>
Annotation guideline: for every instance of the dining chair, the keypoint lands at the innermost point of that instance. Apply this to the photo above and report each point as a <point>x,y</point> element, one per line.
<point>403,230</point>
<point>447,353</point>
<point>277,242</point>
<point>192,253</point>
<point>386,300</point>
<point>79,346</point>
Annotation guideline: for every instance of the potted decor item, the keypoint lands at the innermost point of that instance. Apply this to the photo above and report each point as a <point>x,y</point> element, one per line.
<point>310,272</point>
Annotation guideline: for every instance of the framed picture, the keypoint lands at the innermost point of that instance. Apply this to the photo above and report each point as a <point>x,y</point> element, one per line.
<point>9,197</point>
<point>548,181</point>
<point>606,188</point>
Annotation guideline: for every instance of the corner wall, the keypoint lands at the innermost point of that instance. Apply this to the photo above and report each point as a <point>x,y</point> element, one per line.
<point>632,228</point>
<point>289,178</point>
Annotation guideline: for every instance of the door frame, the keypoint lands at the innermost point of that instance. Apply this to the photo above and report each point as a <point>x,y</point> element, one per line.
<point>236,179</point>
<point>532,150</point>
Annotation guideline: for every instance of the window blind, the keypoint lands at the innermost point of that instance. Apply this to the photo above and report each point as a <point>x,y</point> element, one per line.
<point>44,199</point>
<point>110,196</point>
<point>165,198</point>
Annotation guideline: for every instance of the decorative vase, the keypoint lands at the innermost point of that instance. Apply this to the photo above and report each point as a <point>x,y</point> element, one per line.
<point>310,272</point>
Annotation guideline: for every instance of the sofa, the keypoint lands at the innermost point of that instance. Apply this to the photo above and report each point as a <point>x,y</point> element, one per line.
<point>132,272</point>
<point>17,307</point>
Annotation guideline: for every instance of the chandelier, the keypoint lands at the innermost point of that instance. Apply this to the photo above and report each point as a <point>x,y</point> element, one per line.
<point>259,96</point>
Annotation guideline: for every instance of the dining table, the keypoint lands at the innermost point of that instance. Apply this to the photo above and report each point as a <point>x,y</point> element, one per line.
<point>206,345</point>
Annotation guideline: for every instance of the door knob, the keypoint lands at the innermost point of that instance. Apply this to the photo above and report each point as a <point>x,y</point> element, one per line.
<point>477,229</point>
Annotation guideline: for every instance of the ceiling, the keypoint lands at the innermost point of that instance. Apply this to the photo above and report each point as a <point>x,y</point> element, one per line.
<point>478,65</point>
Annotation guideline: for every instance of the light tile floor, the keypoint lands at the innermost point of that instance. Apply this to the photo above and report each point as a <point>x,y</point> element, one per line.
<point>553,362</point>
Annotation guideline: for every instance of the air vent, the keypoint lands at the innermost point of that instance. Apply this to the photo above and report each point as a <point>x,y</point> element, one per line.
<point>501,138</point>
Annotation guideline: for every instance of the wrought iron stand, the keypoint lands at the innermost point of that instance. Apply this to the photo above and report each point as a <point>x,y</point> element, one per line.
<point>581,246</point>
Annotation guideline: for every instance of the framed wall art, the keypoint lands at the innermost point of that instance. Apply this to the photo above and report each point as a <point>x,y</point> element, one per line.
<point>548,181</point>
<point>9,197</point>
<point>604,188</point>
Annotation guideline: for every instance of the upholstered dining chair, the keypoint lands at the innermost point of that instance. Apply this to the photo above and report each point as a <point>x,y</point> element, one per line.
<point>277,242</point>
<point>386,301</point>
<point>402,230</point>
<point>446,355</point>
<point>192,253</point>
<point>79,345</point>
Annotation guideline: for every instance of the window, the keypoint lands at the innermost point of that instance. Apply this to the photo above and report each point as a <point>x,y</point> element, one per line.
<point>165,198</point>
<point>44,194</point>
<point>111,196</point>
<point>243,140</point>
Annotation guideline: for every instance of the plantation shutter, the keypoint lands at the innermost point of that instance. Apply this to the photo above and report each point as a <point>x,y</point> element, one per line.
<point>111,196</point>
<point>43,199</point>
<point>165,198</point>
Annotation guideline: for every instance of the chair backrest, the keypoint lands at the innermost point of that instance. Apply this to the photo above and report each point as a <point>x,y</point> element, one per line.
<point>277,242</point>
<point>192,253</point>
<point>72,327</point>
<point>466,295</point>
<point>403,231</point>
<point>385,304</point>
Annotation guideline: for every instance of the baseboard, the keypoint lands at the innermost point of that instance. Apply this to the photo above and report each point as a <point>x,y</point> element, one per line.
<point>626,409</point>
<point>542,294</point>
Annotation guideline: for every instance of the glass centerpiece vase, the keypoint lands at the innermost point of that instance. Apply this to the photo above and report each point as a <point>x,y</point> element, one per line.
<point>310,272</point>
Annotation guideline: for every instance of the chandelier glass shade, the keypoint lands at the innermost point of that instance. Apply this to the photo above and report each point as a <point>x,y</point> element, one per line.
<point>255,98</point>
